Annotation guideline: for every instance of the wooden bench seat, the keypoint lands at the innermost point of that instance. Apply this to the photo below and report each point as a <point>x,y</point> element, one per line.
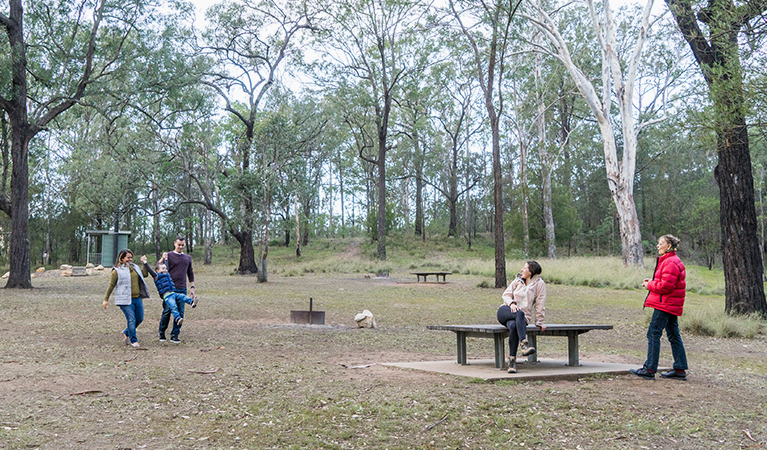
<point>500,334</point>
<point>425,274</point>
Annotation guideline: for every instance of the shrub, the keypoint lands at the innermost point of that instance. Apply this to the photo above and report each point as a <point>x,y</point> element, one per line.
<point>712,321</point>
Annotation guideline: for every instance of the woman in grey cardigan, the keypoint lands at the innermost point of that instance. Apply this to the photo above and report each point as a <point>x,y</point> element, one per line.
<point>127,282</point>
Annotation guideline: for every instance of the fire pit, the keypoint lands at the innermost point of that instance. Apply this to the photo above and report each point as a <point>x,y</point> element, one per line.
<point>311,317</point>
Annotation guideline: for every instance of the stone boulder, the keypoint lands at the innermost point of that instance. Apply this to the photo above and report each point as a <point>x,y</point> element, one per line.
<point>65,267</point>
<point>66,273</point>
<point>365,319</point>
<point>40,270</point>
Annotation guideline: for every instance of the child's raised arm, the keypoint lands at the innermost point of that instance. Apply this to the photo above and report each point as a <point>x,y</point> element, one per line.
<point>149,269</point>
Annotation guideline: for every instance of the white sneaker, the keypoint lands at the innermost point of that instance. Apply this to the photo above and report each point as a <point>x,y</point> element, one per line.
<point>135,345</point>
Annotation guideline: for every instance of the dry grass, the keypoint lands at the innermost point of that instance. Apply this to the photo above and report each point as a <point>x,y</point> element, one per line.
<point>246,378</point>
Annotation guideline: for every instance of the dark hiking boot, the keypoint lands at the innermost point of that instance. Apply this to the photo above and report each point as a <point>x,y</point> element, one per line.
<point>680,375</point>
<point>512,365</point>
<point>526,349</point>
<point>644,373</point>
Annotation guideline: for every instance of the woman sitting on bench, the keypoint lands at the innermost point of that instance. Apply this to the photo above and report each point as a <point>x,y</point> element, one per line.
<point>526,290</point>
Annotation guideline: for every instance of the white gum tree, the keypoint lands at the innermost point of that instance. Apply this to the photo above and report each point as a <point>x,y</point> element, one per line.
<point>617,86</point>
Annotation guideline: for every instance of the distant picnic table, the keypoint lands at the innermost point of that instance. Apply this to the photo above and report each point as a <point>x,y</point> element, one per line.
<point>425,274</point>
<point>499,334</point>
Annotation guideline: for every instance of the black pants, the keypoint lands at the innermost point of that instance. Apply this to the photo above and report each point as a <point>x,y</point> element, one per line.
<point>515,322</point>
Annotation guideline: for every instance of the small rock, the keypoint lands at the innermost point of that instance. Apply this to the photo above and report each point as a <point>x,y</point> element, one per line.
<point>365,319</point>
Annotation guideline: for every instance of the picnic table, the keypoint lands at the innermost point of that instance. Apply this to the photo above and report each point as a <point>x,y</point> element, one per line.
<point>425,274</point>
<point>499,334</point>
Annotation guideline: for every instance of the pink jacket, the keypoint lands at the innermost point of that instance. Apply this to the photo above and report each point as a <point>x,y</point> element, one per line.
<point>667,287</point>
<point>525,295</point>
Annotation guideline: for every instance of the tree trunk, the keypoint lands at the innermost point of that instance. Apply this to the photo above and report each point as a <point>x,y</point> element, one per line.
<point>20,263</point>
<point>381,222</point>
<point>500,245</point>
<point>208,231</point>
<point>419,219</point>
<point>452,229</point>
<point>719,61</point>
<point>247,254</point>
<point>156,222</point>
<point>298,230</point>
<point>523,172</point>
<point>548,214</point>
<point>341,194</point>
<point>743,269</point>
<point>331,232</point>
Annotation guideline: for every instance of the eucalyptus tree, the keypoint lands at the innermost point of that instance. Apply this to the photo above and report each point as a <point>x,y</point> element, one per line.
<point>290,156</point>
<point>717,53</point>
<point>249,40</point>
<point>617,85</point>
<point>376,43</point>
<point>523,118</point>
<point>103,153</point>
<point>53,55</point>
<point>451,112</point>
<point>420,92</point>
<point>485,26</point>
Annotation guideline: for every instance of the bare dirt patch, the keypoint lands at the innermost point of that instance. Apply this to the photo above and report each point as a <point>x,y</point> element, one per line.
<point>245,377</point>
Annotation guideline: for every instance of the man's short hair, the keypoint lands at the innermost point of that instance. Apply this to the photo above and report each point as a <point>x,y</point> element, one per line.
<point>180,237</point>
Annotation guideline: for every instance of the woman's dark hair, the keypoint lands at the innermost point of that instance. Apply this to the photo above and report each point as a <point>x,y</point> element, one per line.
<point>535,268</point>
<point>122,255</point>
<point>671,239</point>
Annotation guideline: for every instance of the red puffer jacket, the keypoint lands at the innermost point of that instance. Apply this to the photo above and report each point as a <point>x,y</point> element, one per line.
<point>668,285</point>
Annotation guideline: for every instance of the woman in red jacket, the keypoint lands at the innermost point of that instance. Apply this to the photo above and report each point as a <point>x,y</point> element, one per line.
<point>666,296</point>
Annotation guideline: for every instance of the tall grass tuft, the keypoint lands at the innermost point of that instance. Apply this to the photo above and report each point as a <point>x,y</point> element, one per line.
<point>711,320</point>
<point>593,272</point>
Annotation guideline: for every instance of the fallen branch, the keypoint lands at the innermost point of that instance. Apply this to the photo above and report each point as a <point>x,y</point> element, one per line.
<point>434,425</point>
<point>749,435</point>
<point>205,372</point>
<point>86,393</point>
<point>129,360</point>
<point>357,367</point>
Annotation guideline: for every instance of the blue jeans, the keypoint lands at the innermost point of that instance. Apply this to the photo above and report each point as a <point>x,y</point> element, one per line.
<point>174,300</point>
<point>134,314</point>
<point>662,320</point>
<point>166,315</point>
<point>515,322</point>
